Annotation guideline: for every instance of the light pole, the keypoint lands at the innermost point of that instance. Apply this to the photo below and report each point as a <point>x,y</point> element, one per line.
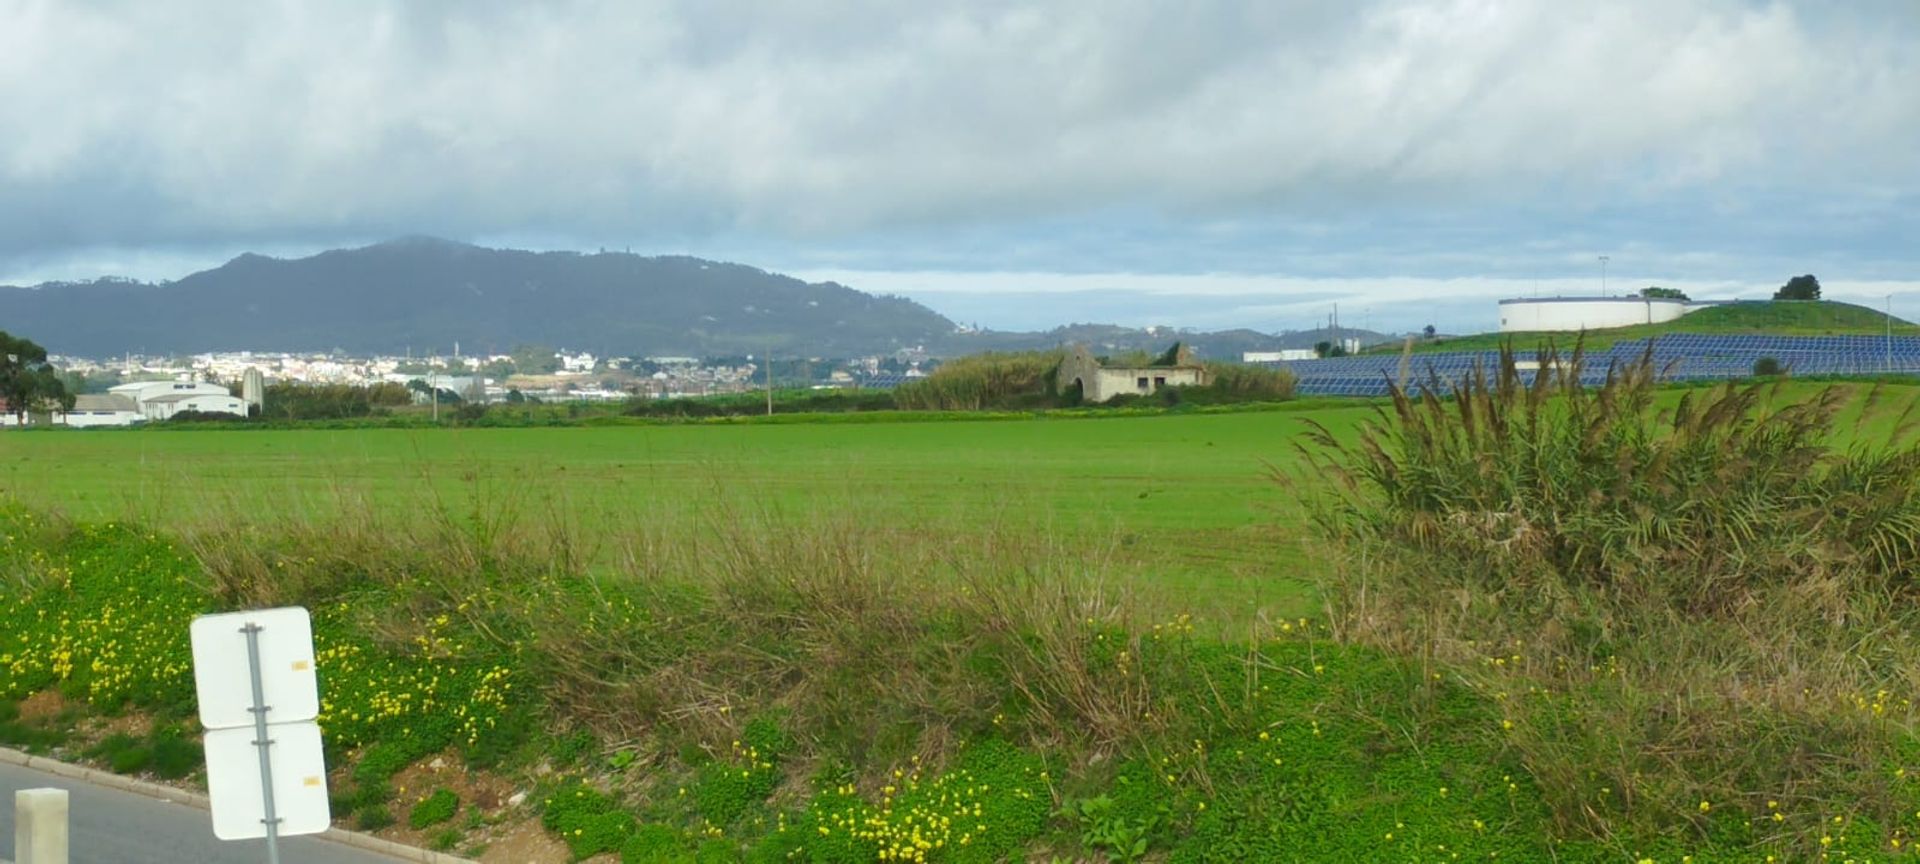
<point>1889,332</point>
<point>1603,276</point>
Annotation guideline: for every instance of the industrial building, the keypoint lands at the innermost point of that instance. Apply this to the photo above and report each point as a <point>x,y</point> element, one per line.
<point>89,409</point>
<point>161,400</point>
<point>100,409</point>
<point>1572,314</point>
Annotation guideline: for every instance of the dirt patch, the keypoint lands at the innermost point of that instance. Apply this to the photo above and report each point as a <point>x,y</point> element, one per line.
<point>489,792</point>
<point>42,705</point>
<point>134,723</point>
<point>525,843</point>
<point>486,815</point>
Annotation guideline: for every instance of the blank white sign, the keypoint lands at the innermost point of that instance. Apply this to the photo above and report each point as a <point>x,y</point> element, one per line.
<point>299,781</point>
<point>221,678</point>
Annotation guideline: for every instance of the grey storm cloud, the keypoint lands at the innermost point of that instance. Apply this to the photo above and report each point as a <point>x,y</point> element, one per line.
<point>841,124</point>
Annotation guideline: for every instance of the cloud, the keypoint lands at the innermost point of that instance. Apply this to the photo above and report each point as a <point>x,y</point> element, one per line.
<point>1375,138</point>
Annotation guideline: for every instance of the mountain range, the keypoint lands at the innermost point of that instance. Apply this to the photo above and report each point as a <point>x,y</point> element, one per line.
<point>423,294</point>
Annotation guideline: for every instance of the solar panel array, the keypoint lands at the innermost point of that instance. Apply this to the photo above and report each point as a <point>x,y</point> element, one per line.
<point>1679,357</point>
<point>881,381</point>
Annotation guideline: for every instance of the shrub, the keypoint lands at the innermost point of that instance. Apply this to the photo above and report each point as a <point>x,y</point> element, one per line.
<point>32,737</point>
<point>445,840</point>
<point>131,760</point>
<point>987,807</point>
<point>123,753</point>
<point>745,776</point>
<point>372,817</point>
<point>1243,382</point>
<point>715,850</point>
<point>175,755</point>
<point>654,843</point>
<point>433,809</point>
<point>1767,367</point>
<point>589,820</point>
<point>573,749</point>
<point>1670,596</point>
<point>1603,486</point>
<point>980,381</point>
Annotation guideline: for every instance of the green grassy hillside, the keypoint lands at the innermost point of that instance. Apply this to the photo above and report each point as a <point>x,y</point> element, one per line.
<point>1786,318</point>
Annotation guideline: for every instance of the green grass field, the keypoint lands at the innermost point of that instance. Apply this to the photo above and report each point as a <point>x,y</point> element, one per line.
<point>1187,499</point>
<point>1187,502</point>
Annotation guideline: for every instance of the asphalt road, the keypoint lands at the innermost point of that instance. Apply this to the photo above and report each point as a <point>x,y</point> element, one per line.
<point>108,826</point>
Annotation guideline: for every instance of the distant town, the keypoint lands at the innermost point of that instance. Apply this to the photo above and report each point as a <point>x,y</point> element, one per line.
<point>526,375</point>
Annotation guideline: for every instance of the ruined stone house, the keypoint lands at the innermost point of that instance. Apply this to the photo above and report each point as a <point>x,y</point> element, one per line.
<point>1098,383</point>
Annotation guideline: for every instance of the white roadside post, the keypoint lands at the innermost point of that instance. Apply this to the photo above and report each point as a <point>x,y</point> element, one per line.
<point>254,677</point>
<point>40,826</point>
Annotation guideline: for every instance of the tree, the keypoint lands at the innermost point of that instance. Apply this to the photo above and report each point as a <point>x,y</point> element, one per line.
<point>294,400</point>
<point>97,381</point>
<point>498,370</point>
<point>1767,367</point>
<point>28,383</point>
<point>535,360</point>
<point>1428,331</point>
<point>1329,349</point>
<point>1655,292</point>
<point>1799,288</point>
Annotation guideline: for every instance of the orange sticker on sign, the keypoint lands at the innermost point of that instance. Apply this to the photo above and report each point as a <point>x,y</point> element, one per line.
<point>311,781</point>
<point>300,665</point>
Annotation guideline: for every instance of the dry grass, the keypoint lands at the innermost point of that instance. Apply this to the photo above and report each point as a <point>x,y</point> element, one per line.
<point>876,641</point>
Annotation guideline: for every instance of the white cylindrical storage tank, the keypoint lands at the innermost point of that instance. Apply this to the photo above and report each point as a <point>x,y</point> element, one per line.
<point>1567,314</point>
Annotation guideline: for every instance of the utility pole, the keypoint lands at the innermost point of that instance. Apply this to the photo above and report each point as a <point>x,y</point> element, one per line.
<point>769,359</point>
<point>434,385</point>
<point>1889,332</point>
<point>1603,276</point>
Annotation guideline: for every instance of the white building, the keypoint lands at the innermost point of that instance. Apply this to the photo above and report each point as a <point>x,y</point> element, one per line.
<point>163,407</point>
<point>141,391</point>
<point>1283,355</point>
<point>160,400</point>
<point>1568,314</point>
<point>100,409</point>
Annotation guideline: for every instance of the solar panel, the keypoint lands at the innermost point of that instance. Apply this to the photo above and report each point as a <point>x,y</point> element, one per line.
<point>881,381</point>
<point>1679,357</point>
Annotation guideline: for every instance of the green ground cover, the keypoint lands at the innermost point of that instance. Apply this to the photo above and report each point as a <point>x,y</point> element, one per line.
<point>1280,746</point>
<point>944,642</point>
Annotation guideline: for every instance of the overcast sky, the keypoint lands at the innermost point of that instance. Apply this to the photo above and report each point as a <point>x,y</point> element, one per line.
<point>1016,164</point>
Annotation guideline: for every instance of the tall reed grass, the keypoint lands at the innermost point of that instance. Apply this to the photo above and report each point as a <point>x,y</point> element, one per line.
<point>990,380</point>
<point>1244,381</point>
<point>1694,615</point>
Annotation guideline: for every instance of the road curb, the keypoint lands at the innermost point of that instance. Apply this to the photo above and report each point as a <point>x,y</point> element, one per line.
<point>82,773</point>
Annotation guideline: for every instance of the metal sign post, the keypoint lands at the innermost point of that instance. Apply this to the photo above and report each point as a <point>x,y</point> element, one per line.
<point>262,742</point>
<point>266,772</point>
